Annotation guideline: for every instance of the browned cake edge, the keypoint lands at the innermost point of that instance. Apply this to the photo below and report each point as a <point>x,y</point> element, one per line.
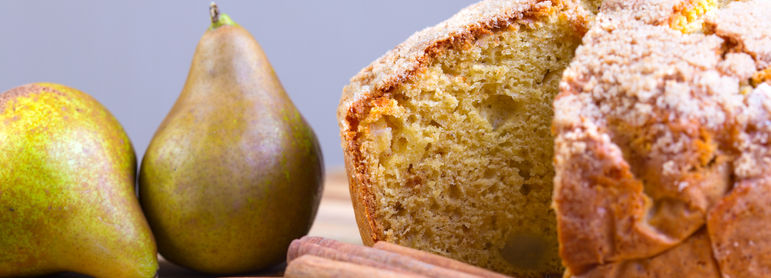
<point>402,64</point>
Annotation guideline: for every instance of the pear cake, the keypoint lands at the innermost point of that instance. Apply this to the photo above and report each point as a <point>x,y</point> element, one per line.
<point>447,138</point>
<point>662,156</point>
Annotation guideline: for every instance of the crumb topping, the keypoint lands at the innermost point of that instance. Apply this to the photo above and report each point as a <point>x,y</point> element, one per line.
<point>657,127</point>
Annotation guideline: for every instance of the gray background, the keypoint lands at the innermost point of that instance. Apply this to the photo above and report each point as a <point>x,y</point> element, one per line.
<point>133,56</point>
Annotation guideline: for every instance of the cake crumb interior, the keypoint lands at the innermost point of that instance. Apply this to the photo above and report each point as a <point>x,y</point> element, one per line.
<point>461,157</point>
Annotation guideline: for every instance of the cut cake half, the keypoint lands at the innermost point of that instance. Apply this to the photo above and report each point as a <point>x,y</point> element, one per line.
<point>447,137</point>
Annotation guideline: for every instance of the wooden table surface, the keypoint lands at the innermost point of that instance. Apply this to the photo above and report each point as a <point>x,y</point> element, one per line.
<point>335,218</point>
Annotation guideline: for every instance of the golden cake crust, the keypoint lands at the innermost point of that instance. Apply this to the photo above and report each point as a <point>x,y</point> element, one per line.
<point>370,87</point>
<point>659,132</point>
<point>660,148</point>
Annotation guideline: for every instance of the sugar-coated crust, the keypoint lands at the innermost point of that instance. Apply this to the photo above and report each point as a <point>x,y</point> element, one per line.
<point>655,12</point>
<point>372,84</point>
<point>659,138</point>
<point>746,24</point>
<point>693,258</point>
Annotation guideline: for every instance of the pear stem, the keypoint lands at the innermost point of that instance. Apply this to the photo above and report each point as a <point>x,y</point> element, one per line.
<point>214,13</point>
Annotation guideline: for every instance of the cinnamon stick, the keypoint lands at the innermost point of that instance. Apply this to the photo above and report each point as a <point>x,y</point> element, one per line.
<point>300,247</point>
<point>312,266</point>
<point>353,253</point>
<point>437,260</point>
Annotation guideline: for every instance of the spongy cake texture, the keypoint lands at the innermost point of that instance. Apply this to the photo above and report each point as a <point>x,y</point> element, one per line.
<point>447,137</point>
<point>448,146</point>
<point>662,154</point>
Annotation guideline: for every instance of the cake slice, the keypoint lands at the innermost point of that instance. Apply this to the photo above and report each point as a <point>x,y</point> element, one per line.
<point>447,137</point>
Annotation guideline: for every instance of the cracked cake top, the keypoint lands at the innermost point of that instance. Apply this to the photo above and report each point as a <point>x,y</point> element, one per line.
<point>659,134</point>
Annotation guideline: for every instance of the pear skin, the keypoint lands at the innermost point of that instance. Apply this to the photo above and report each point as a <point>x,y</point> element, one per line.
<point>67,197</point>
<point>234,172</point>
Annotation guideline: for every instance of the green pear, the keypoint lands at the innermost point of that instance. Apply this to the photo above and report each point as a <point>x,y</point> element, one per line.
<point>67,197</point>
<point>234,172</point>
